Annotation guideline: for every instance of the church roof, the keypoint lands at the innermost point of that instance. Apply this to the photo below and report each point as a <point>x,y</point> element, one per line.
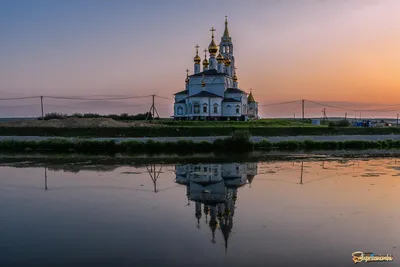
<point>211,72</point>
<point>180,101</point>
<point>184,92</point>
<point>230,100</point>
<point>205,94</point>
<point>234,91</point>
<point>250,98</point>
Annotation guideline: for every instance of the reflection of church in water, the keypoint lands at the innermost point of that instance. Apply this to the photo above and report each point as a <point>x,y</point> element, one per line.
<point>213,188</point>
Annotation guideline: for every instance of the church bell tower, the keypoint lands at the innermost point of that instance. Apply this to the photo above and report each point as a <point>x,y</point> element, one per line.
<point>226,46</point>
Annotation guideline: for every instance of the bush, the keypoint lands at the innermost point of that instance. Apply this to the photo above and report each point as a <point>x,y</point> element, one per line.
<point>341,123</point>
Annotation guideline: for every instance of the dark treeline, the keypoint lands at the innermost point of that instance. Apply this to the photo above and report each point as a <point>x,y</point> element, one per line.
<point>238,142</point>
<point>121,117</point>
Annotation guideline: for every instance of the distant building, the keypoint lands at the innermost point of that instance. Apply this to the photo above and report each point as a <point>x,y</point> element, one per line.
<point>214,93</point>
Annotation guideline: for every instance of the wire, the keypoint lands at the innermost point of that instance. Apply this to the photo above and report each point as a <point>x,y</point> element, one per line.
<point>119,106</point>
<point>20,98</point>
<point>163,97</point>
<point>21,106</point>
<point>282,103</point>
<point>95,99</point>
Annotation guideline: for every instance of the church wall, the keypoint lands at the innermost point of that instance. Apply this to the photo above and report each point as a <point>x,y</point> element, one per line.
<point>180,97</point>
<point>209,102</point>
<point>229,109</point>
<point>215,85</point>
<point>177,108</point>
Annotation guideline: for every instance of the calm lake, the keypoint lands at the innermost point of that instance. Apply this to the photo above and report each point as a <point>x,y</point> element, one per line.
<point>279,213</point>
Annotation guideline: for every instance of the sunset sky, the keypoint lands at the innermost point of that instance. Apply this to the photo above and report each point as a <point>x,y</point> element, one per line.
<point>331,51</point>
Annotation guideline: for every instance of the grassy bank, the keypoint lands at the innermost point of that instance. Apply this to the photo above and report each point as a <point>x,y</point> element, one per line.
<point>179,131</point>
<point>234,144</point>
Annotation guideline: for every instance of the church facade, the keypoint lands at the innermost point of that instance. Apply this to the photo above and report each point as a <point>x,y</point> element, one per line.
<point>213,93</point>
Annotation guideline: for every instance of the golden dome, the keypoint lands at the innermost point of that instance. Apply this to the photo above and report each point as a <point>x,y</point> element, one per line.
<point>212,48</point>
<point>203,83</point>
<point>250,98</point>
<point>197,59</point>
<point>227,61</point>
<point>205,63</point>
<point>220,58</point>
<point>187,76</point>
<point>235,78</point>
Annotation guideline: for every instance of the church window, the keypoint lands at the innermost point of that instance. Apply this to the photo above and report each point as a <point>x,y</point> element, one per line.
<point>227,49</point>
<point>196,108</point>
<point>180,110</point>
<point>215,108</point>
<point>237,109</point>
<point>204,169</point>
<point>205,108</point>
<point>223,49</point>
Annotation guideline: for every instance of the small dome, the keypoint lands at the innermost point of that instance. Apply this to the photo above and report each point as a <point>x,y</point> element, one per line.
<point>203,83</point>
<point>205,62</point>
<point>213,48</point>
<point>187,80</point>
<point>197,59</point>
<point>235,78</point>
<point>220,58</point>
<point>227,62</point>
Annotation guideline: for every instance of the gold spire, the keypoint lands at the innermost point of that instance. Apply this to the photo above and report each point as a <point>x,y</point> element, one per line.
<point>212,48</point>
<point>226,37</point>
<point>197,59</point>
<point>220,58</point>
<point>205,61</point>
<point>251,97</point>
<point>187,76</point>
<point>234,78</point>
<point>227,61</point>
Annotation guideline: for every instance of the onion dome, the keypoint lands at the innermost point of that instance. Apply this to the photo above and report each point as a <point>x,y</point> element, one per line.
<point>250,98</point>
<point>212,48</point>
<point>227,62</point>
<point>205,63</point>
<point>203,83</point>
<point>235,78</point>
<point>220,58</point>
<point>197,59</point>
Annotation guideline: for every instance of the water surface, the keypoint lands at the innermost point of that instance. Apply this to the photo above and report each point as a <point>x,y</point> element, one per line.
<point>233,214</point>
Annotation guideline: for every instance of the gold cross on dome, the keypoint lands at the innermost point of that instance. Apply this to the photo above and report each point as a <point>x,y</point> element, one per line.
<point>197,46</point>
<point>205,52</point>
<point>212,31</point>
<point>187,71</point>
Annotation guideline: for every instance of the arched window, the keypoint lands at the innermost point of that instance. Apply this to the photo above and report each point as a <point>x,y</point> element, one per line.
<point>215,108</point>
<point>205,108</point>
<point>227,49</point>
<point>180,110</point>
<point>237,109</point>
<point>196,108</point>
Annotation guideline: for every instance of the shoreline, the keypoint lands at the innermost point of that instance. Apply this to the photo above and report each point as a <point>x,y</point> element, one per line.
<point>198,139</point>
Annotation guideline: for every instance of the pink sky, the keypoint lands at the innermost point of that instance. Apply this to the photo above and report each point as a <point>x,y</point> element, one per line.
<point>327,51</point>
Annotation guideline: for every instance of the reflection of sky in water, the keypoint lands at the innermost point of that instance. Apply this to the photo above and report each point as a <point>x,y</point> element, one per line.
<point>290,213</point>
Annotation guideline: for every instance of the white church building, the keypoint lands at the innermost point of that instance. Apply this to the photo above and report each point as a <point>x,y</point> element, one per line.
<point>214,93</point>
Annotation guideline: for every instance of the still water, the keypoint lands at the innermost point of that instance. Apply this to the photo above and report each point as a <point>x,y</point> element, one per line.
<point>311,213</point>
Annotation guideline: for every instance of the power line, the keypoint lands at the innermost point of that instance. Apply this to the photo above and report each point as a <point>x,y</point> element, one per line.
<point>95,99</point>
<point>282,103</point>
<point>20,98</point>
<point>20,106</point>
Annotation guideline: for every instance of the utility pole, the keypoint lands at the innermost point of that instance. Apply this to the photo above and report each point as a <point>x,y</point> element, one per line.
<point>324,113</point>
<point>41,103</point>
<point>345,116</point>
<point>302,108</point>
<point>397,120</point>
<point>153,109</point>
<point>294,116</point>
